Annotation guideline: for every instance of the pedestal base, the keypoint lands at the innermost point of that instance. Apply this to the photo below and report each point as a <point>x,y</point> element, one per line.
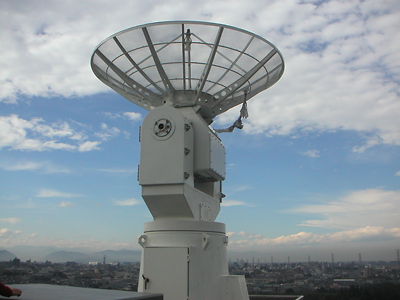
<point>188,260</point>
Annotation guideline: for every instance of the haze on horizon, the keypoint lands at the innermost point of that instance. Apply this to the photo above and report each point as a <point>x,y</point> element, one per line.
<point>315,171</point>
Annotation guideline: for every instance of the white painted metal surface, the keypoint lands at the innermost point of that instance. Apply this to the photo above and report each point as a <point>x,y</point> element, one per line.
<point>187,63</point>
<point>172,185</point>
<point>201,246</point>
<point>166,270</point>
<point>185,73</point>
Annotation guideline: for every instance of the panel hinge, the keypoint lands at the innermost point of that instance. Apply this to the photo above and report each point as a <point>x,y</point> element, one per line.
<point>226,240</point>
<point>205,240</point>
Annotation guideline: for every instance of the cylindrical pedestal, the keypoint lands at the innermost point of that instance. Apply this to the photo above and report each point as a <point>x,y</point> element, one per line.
<point>187,260</point>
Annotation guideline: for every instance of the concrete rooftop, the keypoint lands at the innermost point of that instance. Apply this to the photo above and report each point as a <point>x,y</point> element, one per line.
<point>58,292</point>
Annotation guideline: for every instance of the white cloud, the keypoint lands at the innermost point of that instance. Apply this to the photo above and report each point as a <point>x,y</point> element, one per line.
<point>13,131</point>
<point>371,141</point>
<point>377,233</point>
<point>89,146</point>
<point>371,207</point>
<point>107,133</point>
<point>232,203</point>
<point>10,238</point>
<point>58,130</point>
<point>7,233</point>
<point>10,220</point>
<point>31,135</point>
<point>30,204</point>
<point>342,73</point>
<point>133,116</point>
<point>4,232</point>
<point>127,202</point>
<point>66,204</point>
<point>45,193</point>
<point>54,145</point>
<point>311,153</point>
<point>43,167</point>
<point>242,188</point>
<point>337,73</point>
<point>23,166</point>
<point>243,234</point>
<point>342,58</point>
<point>118,170</point>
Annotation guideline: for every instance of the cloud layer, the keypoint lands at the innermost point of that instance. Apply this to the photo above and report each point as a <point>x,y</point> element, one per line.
<point>34,135</point>
<point>371,207</point>
<point>242,240</point>
<point>45,193</point>
<point>342,58</point>
<point>342,73</point>
<point>364,219</point>
<point>10,238</point>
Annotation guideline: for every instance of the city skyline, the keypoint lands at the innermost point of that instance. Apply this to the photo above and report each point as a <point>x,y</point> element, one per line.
<point>315,170</point>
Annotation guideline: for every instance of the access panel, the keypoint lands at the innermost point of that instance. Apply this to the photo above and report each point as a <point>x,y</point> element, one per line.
<point>166,271</point>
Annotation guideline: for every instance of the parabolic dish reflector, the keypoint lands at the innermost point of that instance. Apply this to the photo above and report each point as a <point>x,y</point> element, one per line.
<point>187,63</point>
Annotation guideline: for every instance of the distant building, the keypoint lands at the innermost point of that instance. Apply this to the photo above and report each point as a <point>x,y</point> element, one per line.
<point>16,262</point>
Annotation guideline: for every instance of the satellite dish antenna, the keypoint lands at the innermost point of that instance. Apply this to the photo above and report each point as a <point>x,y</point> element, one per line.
<point>185,73</point>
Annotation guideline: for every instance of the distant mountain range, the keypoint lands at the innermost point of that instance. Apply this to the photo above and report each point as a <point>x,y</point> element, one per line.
<point>79,255</point>
<point>57,256</point>
<point>82,255</point>
<point>6,256</point>
<point>112,256</point>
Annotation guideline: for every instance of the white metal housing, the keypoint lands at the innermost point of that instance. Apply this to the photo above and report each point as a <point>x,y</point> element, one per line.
<point>185,73</point>
<point>187,63</point>
<point>188,260</point>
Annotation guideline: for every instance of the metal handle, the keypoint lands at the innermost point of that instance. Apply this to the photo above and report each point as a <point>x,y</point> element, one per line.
<point>146,280</point>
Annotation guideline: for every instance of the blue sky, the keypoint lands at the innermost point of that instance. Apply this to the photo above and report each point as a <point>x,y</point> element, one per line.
<point>315,171</point>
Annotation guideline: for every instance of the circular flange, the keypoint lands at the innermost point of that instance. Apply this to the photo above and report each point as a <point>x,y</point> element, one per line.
<point>163,128</point>
<point>183,225</point>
